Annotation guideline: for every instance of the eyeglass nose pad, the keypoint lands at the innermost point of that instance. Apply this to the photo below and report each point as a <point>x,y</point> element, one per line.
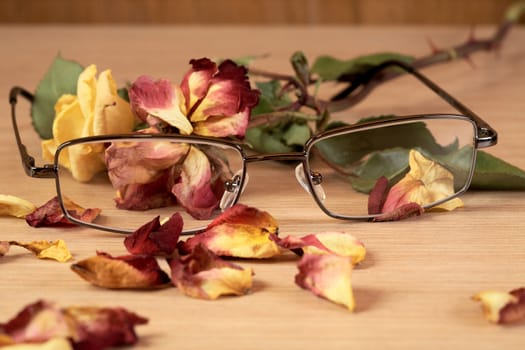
<point>317,179</point>
<point>231,189</point>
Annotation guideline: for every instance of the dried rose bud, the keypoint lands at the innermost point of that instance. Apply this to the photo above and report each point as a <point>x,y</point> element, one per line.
<point>327,276</point>
<point>153,238</point>
<point>241,231</point>
<point>503,307</point>
<point>337,243</point>
<point>51,214</point>
<point>123,272</point>
<point>201,274</point>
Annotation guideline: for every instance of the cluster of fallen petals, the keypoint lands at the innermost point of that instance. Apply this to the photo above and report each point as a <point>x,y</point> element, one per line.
<point>45,325</point>
<point>199,270</point>
<point>503,307</point>
<point>426,182</point>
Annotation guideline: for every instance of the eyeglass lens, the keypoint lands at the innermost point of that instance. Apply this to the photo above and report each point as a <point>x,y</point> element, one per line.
<point>426,161</point>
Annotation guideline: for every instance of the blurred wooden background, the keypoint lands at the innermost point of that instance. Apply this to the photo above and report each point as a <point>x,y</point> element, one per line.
<point>260,12</point>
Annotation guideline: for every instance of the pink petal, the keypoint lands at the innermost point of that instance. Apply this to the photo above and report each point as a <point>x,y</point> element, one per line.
<point>155,239</point>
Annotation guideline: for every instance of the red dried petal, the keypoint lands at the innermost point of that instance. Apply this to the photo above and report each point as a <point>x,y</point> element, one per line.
<point>202,274</point>
<point>377,196</point>
<point>155,239</point>
<point>101,328</point>
<point>122,272</point>
<point>37,322</point>
<point>51,214</point>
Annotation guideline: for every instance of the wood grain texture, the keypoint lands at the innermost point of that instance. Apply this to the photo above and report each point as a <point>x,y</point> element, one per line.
<point>412,291</point>
<point>262,12</point>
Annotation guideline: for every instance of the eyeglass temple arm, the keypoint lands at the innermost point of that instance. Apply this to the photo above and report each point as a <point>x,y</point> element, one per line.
<point>487,136</point>
<point>28,162</point>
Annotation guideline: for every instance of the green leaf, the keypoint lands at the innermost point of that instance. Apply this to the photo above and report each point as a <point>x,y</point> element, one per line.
<point>270,98</point>
<point>61,78</point>
<point>286,136</point>
<point>347,149</point>
<point>492,173</point>
<point>331,68</point>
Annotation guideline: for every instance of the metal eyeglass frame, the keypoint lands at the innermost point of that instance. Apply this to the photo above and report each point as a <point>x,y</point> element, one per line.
<point>485,136</point>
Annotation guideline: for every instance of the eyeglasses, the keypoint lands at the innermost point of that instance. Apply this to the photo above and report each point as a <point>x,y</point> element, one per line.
<point>146,175</point>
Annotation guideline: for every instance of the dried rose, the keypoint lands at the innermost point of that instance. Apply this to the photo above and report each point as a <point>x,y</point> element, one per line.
<point>55,250</point>
<point>218,99</point>
<point>96,110</point>
<point>338,243</point>
<point>153,238</point>
<point>122,272</point>
<point>211,101</point>
<point>15,206</point>
<point>201,274</point>
<point>327,276</point>
<point>43,325</point>
<point>503,307</point>
<point>241,231</point>
<point>51,214</point>
<point>426,182</point>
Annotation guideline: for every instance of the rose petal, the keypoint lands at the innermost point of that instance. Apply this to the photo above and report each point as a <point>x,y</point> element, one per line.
<point>123,272</point>
<point>55,250</point>
<point>155,239</point>
<point>202,274</point>
<point>161,99</point>
<point>195,190</point>
<point>43,325</point>
<point>338,243</point>
<point>327,276</point>
<point>241,231</point>
<point>426,182</point>
<point>15,206</point>
<point>37,322</point>
<point>503,307</point>
<point>50,214</point>
<point>101,328</point>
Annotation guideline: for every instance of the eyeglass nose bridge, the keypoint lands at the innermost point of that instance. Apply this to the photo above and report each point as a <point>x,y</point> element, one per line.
<point>316,179</point>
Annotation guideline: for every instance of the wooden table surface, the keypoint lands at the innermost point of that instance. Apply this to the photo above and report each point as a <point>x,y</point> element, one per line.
<point>413,290</point>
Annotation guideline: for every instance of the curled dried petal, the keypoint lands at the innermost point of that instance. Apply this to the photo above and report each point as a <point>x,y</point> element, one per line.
<point>15,206</point>
<point>51,214</point>
<point>55,250</point>
<point>37,322</point>
<point>201,274</point>
<point>404,211</point>
<point>43,325</point>
<point>426,182</point>
<point>101,328</point>
<point>503,307</point>
<point>327,276</point>
<point>123,272</point>
<point>153,238</point>
<point>241,231</point>
<point>338,243</point>
<point>160,99</point>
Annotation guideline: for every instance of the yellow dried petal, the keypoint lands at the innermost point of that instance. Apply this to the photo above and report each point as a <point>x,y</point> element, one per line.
<point>86,93</point>
<point>225,281</point>
<point>112,114</point>
<point>15,206</point>
<point>55,250</point>
<point>493,302</point>
<point>339,243</point>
